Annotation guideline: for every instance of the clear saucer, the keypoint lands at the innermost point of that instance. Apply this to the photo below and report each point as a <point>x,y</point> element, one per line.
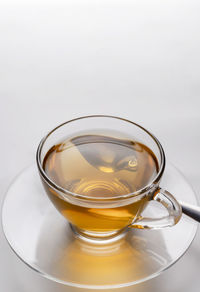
<point>43,239</point>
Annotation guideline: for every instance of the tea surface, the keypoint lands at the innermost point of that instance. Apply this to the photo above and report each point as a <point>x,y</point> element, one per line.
<point>100,166</point>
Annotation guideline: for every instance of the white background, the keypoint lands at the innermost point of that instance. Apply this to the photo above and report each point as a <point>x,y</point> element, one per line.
<point>135,59</point>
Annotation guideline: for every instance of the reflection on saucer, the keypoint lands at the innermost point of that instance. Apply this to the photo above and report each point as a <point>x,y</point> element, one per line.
<point>126,260</point>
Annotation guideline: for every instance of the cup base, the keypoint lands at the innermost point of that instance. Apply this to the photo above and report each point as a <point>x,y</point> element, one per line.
<point>96,237</point>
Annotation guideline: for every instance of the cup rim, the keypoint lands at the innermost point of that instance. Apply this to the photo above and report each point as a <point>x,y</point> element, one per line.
<point>145,189</point>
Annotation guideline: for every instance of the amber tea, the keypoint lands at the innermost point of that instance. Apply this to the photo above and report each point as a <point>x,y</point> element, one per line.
<point>99,166</point>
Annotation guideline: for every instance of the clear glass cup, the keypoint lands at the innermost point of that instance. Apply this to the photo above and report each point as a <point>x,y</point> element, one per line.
<point>111,207</point>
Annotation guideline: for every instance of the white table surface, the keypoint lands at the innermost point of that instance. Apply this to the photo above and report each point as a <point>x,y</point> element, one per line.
<point>135,59</point>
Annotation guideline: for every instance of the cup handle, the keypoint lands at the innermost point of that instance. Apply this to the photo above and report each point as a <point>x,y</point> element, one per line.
<point>172,206</point>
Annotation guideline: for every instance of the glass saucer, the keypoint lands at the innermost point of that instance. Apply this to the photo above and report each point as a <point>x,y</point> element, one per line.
<point>43,239</point>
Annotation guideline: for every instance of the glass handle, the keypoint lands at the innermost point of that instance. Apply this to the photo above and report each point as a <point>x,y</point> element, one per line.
<point>172,206</point>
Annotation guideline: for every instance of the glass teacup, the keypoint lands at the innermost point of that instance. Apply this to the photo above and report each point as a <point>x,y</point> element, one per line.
<point>101,172</point>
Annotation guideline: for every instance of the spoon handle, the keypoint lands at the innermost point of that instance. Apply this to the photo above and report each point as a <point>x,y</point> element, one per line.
<point>191,211</point>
